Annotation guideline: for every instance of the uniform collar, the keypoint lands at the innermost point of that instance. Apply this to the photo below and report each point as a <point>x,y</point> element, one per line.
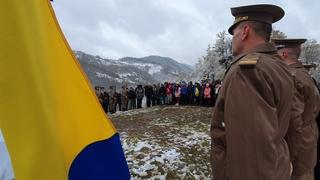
<point>261,48</point>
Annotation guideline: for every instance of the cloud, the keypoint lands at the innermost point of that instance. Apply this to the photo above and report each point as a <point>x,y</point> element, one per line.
<point>181,29</point>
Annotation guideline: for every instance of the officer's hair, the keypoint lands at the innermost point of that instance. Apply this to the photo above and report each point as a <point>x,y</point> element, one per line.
<point>261,29</point>
<point>293,53</point>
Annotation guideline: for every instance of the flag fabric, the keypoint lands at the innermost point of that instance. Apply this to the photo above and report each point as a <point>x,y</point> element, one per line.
<point>51,120</point>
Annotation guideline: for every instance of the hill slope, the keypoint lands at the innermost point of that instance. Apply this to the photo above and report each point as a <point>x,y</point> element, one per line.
<point>131,71</point>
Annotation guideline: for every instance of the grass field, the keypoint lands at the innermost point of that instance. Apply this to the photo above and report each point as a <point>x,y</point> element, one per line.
<point>166,142</point>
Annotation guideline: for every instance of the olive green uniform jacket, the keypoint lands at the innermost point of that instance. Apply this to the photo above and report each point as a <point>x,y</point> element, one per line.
<point>303,140</point>
<point>251,118</point>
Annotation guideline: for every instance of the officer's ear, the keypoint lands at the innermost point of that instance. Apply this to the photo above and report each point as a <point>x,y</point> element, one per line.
<point>281,53</point>
<point>246,29</point>
<point>284,54</point>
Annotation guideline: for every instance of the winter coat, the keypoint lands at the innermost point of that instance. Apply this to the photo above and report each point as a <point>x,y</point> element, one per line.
<point>177,92</point>
<point>217,88</point>
<point>190,90</point>
<point>131,94</point>
<point>162,91</point>
<point>148,90</point>
<point>124,97</point>
<point>155,91</point>
<point>168,90</point>
<point>184,90</point>
<point>139,93</point>
<point>207,92</point>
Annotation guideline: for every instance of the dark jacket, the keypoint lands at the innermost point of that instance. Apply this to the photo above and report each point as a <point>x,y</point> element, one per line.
<point>148,91</point>
<point>162,90</point>
<point>131,94</point>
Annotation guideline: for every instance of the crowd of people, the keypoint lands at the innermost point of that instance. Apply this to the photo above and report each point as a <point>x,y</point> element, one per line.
<point>182,93</point>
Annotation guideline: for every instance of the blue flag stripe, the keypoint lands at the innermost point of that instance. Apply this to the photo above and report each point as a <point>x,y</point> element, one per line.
<point>100,161</point>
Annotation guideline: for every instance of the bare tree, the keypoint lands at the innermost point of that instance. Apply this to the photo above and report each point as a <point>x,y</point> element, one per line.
<point>217,58</point>
<point>310,52</point>
<point>223,49</point>
<point>277,34</point>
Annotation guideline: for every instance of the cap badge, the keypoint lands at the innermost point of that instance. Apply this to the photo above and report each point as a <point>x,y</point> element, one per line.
<point>240,18</point>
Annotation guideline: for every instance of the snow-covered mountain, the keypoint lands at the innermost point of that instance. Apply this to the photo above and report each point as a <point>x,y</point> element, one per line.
<point>131,71</point>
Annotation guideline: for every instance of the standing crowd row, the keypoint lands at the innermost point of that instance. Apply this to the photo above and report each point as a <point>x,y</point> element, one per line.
<point>167,93</point>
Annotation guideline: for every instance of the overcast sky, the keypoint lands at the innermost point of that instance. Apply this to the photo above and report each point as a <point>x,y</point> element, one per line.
<point>180,29</point>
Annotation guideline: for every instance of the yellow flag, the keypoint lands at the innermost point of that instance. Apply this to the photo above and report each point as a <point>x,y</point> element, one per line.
<point>48,110</point>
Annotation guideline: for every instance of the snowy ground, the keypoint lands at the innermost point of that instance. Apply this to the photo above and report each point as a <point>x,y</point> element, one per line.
<point>166,142</point>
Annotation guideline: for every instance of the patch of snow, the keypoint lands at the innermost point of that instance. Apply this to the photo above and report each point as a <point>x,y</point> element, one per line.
<point>141,145</point>
<point>152,68</point>
<point>120,80</point>
<point>125,75</point>
<point>78,56</point>
<point>102,75</point>
<point>104,62</point>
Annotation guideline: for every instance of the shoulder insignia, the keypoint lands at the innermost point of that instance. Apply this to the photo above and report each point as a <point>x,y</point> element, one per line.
<point>249,60</point>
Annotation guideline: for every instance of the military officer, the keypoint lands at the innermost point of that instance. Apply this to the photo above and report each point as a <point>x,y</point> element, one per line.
<point>252,111</point>
<point>302,143</point>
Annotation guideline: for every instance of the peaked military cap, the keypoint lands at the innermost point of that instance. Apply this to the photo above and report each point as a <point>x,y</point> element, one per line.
<point>288,43</point>
<point>309,66</point>
<point>265,13</point>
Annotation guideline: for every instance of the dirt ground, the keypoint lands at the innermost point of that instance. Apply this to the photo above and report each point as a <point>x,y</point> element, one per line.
<point>166,142</point>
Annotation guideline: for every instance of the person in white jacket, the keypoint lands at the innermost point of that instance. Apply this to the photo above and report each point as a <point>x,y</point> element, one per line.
<point>6,171</point>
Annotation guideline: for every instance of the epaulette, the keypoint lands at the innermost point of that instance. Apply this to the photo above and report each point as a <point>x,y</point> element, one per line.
<point>249,60</point>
